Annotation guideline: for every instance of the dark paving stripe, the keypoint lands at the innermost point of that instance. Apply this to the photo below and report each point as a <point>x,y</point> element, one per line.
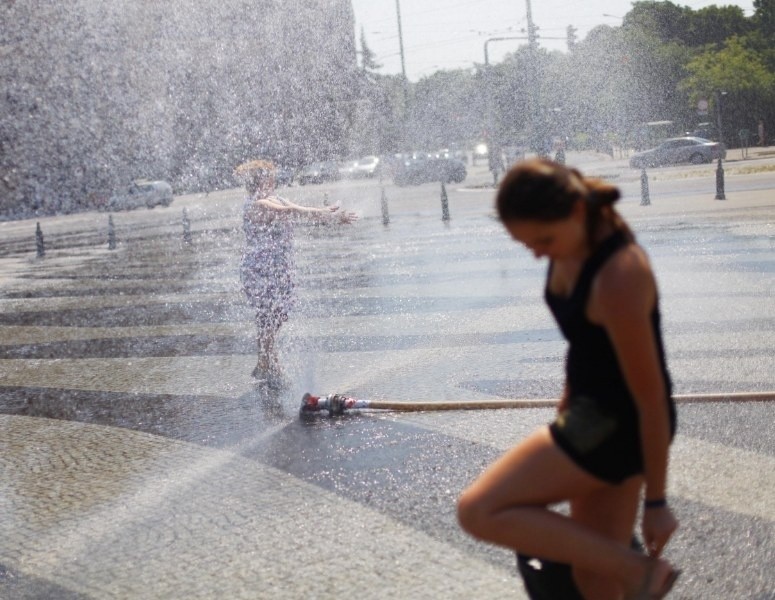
<point>718,326</point>
<point>201,345</point>
<point>724,386</point>
<point>733,353</point>
<point>743,425</point>
<point>727,266</point>
<point>212,312</point>
<point>21,586</point>
<point>516,388</point>
<point>204,420</point>
<point>133,347</point>
<point>414,476</point>
<point>131,316</point>
<point>728,555</point>
<point>408,473</point>
<point>83,292</point>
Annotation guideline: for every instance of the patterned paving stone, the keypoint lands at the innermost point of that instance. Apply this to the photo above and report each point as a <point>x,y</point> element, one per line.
<point>140,460</point>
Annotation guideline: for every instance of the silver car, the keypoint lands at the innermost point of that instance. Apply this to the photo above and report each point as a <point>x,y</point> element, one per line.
<point>694,150</point>
<point>142,193</point>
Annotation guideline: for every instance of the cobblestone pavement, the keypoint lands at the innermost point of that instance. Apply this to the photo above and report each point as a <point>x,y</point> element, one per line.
<point>139,460</point>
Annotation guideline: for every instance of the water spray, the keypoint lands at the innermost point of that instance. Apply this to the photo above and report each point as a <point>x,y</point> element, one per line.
<point>338,404</point>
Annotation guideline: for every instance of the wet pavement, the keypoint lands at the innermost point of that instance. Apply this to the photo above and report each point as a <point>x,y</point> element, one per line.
<point>140,460</point>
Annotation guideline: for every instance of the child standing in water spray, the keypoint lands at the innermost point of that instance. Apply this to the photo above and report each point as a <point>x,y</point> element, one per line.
<point>616,418</point>
<point>266,268</point>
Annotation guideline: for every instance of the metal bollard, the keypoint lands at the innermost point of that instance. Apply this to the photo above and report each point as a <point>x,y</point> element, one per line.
<point>645,200</point>
<point>720,181</point>
<point>444,203</point>
<point>41,246</point>
<point>186,227</point>
<point>111,234</point>
<point>384,204</point>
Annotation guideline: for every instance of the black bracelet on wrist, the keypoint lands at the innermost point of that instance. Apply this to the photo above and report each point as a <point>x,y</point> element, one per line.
<point>658,503</point>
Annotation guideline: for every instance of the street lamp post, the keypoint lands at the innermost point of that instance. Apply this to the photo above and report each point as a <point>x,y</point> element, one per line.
<point>403,73</point>
<point>719,94</point>
<point>720,194</point>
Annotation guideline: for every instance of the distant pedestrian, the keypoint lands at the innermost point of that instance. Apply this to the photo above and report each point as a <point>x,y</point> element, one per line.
<point>760,131</point>
<point>616,418</point>
<point>495,162</point>
<point>267,268</point>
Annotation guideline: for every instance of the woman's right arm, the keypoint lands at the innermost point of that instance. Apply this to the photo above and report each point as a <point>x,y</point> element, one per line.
<point>318,216</point>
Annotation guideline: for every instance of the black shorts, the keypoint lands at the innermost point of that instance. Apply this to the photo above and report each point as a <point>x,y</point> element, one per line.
<point>603,444</point>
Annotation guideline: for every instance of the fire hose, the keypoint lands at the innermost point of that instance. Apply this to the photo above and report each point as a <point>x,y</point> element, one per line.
<point>337,404</point>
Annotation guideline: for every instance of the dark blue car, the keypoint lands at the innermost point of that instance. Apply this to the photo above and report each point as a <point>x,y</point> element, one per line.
<point>425,169</point>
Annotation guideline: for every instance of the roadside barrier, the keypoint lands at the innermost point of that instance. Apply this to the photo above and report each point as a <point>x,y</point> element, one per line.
<point>39,243</point>
<point>186,227</point>
<point>645,199</point>
<point>444,203</point>
<point>111,233</point>
<point>384,205</point>
<point>720,181</point>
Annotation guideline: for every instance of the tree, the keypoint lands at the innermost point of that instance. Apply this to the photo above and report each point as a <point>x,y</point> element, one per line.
<point>764,18</point>
<point>741,74</point>
<point>368,58</point>
<point>714,24</point>
<point>665,20</point>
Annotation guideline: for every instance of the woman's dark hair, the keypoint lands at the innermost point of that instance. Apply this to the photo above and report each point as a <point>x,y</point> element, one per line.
<point>542,190</point>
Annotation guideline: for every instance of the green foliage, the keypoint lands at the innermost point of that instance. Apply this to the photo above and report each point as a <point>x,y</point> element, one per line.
<point>733,69</point>
<point>764,18</point>
<point>714,24</point>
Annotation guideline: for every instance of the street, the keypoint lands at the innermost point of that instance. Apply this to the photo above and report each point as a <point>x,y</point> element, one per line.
<point>140,460</point>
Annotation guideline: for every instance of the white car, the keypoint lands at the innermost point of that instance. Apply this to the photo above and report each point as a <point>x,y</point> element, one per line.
<point>140,193</point>
<point>368,166</point>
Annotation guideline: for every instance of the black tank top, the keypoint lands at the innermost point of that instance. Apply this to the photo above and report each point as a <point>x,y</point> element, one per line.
<point>592,368</point>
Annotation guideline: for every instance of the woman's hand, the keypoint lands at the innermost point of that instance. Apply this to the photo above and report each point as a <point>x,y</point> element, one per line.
<point>657,528</point>
<point>344,217</point>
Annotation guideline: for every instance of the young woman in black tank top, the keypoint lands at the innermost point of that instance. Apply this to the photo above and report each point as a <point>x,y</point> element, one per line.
<point>616,418</point>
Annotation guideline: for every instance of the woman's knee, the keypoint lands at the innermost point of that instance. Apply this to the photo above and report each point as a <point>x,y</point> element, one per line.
<point>476,511</point>
<point>471,512</point>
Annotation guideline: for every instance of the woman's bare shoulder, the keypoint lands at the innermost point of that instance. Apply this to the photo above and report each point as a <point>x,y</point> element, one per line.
<point>626,281</point>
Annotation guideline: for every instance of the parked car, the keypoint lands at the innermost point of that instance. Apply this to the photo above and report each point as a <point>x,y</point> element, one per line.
<point>347,169</point>
<point>368,166</point>
<point>284,175</point>
<point>318,172</point>
<point>481,152</point>
<point>425,168</point>
<point>141,192</point>
<point>679,150</point>
<point>460,155</point>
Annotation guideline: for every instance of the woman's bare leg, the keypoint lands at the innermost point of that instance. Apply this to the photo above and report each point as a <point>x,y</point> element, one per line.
<point>507,506</point>
<point>611,512</point>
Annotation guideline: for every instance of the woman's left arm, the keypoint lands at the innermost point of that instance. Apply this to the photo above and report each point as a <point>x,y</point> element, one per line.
<point>623,298</point>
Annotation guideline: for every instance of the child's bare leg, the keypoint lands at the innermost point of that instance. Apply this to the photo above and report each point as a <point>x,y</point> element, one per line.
<point>267,353</point>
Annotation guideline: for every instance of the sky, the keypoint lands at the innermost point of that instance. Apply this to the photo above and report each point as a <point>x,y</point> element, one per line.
<point>450,34</point>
